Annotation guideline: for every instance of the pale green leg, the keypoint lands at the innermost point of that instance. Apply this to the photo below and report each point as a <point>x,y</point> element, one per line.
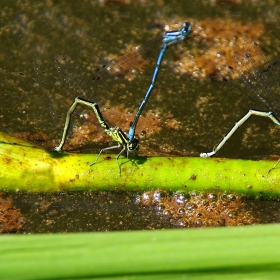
<point>68,118</point>
<point>237,125</point>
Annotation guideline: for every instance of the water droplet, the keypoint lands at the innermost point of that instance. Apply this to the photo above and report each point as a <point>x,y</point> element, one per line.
<point>205,202</point>
<point>137,199</point>
<point>189,206</point>
<point>180,199</point>
<point>166,212</point>
<point>212,196</point>
<point>231,197</point>
<point>146,196</point>
<point>161,207</point>
<point>224,196</point>
<point>193,193</point>
<point>180,223</point>
<point>231,214</point>
<point>157,196</point>
<point>202,195</point>
<point>181,211</point>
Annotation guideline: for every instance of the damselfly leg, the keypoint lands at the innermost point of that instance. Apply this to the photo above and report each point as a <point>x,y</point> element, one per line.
<point>259,82</point>
<point>115,132</point>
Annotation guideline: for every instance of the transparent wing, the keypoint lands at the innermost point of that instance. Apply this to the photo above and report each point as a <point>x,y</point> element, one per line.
<point>257,78</point>
<point>42,93</point>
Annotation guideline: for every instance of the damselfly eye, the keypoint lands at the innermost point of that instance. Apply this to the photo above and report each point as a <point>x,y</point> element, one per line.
<point>134,145</point>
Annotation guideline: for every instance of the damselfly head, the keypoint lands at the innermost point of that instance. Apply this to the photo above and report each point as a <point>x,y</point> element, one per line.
<point>134,145</point>
<point>187,29</point>
<point>176,36</point>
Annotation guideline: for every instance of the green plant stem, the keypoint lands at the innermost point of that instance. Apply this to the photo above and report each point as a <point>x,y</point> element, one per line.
<point>218,253</point>
<point>27,168</point>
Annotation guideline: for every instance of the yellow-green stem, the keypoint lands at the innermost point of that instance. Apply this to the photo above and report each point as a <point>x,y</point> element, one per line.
<point>27,168</point>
